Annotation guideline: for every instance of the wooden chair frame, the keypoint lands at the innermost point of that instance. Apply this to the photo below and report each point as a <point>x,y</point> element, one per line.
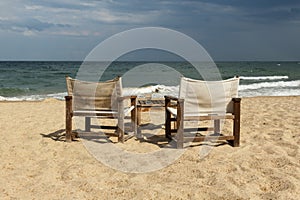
<point>88,114</point>
<point>179,120</point>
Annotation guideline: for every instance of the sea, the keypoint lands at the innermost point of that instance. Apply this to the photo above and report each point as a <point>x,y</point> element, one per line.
<point>38,80</point>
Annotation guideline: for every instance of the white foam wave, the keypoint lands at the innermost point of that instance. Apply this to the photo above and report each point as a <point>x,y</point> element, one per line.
<point>279,88</point>
<point>278,84</point>
<point>59,96</point>
<point>156,91</point>
<point>263,77</point>
<point>140,91</point>
<point>270,92</point>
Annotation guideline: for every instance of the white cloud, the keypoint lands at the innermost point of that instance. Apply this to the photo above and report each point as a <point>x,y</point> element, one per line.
<point>66,17</point>
<point>33,7</point>
<point>108,16</point>
<point>29,33</point>
<point>75,33</point>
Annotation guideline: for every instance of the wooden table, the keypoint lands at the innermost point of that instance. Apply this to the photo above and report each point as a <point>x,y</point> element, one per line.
<point>144,105</point>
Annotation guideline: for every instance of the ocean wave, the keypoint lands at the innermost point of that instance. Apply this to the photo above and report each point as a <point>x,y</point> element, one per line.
<point>156,91</point>
<point>39,97</point>
<point>263,77</point>
<point>278,88</point>
<point>270,92</point>
<point>14,91</point>
<point>277,84</point>
<point>141,91</point>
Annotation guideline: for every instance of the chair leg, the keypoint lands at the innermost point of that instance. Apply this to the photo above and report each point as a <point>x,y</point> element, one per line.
<point>120,128</point>
<point>179,135</point>
<point>217,129</point>
<point>168,125</point>
<point>236,133</point>
<point>87,124</point>
<point>120,132</point>
<point>167,120</point>
<point>180,124</point>
<point>68,118</point>
<point>236,122</point>
<point>68,129</point>
<point>134,117</point>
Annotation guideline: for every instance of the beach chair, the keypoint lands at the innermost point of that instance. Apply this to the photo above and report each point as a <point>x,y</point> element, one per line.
<point>201,101</point>
<point>102,100</point>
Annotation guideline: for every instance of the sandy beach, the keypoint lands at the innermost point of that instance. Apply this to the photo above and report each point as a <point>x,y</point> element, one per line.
<point>36,163</point>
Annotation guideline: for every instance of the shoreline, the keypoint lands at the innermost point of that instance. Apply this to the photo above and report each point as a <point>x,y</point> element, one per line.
<point>62,100</point>
<point>35,160</point>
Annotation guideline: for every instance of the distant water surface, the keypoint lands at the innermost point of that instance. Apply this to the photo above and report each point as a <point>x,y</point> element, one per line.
<point>32,80</point>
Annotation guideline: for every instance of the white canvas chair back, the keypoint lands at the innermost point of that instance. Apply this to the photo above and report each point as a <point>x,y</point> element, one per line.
<point>94,95</point>
<point>208,97</point>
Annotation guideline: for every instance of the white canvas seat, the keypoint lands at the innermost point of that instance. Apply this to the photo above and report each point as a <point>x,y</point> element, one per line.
<point>99,100</point>
<point>204,100</point>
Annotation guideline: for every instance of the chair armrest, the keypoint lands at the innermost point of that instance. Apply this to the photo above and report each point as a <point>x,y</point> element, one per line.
<point>68,97</point>
<point>171,98</point>
<point>126,97</point>
<point>168,100</point>
<point>133,100</point>
<point>236,99</point>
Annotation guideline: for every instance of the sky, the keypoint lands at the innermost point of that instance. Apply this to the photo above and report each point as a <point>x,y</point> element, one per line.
<point>229,30</point>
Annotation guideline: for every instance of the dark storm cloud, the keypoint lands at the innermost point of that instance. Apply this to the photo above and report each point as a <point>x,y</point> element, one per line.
<point>28,24</point>
<point>229,29</point>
